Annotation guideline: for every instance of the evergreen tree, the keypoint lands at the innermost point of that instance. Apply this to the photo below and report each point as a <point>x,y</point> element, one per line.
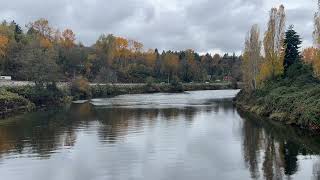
<point>292,44</point>
<point>17,31</point>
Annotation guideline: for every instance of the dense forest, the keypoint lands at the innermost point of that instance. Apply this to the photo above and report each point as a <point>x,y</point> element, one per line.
<point>281,81</point>
<point>44,54</point>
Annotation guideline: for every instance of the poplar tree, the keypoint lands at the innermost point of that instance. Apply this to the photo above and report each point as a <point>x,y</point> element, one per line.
<point>252,59</point>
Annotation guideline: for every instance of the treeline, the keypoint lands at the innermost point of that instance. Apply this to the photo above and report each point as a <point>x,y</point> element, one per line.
<point>43,54</point>
<point>281,82</point>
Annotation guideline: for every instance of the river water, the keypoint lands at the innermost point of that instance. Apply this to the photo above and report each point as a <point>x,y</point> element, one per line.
<point>195,135</point>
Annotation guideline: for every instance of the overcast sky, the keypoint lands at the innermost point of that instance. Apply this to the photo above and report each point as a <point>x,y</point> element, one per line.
<point>203,25</point>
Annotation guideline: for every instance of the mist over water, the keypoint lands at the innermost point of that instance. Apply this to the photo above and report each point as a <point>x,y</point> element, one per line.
<point>194,135</point>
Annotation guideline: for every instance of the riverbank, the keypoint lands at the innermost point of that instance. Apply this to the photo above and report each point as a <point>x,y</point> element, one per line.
<point>29,98</point>
<point>291,101</point>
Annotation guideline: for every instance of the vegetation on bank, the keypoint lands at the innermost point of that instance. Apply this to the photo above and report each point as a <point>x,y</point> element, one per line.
<point>293,100</point>
<point>283,84</point>
<point>12,102</point>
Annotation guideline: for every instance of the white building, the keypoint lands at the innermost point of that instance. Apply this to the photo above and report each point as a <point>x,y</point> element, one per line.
<point>7,78</point>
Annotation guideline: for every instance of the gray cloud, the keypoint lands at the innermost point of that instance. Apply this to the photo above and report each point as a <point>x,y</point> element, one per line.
<point>203,25</point>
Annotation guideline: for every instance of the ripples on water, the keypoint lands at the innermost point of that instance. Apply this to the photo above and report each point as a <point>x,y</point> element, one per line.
<point>195,135</point>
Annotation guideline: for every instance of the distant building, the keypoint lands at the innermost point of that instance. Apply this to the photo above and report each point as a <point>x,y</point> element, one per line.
<point>6,78</point>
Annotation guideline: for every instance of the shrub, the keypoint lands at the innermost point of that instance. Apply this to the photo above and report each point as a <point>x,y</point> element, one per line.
<point>12,102</point>
<point>39,95</point>
<point>150,87</point>
<point>80,89</point>
<point>176,85</point>
<point>101,91</point>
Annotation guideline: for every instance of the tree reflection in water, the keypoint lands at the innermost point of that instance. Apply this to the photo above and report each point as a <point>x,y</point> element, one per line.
<point>45,132</point>
<point>271,150</point>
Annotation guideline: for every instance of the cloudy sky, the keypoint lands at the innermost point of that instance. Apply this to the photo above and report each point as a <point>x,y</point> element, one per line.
<point>203,25</point>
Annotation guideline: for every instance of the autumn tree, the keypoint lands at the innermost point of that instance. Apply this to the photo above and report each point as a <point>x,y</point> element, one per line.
<point>4,41</point>
<point>309,55</point>
<point>273,45</point>
<point>7,43</point>
<point>316,37</point>
<point>170,64</point>
<point>252,59</point>
<point>150,57</point>
<point>68,39</point>
<point>106,48</point>
<point>42,27</point>
<point>43,31</point>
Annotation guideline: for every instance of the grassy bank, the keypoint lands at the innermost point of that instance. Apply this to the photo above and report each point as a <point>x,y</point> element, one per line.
<point>293,100</point>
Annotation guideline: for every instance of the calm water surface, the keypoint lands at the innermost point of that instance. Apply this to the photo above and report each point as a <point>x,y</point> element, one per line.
<point>195,135</point>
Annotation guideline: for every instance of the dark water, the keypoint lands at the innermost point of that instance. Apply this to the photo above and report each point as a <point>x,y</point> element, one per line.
<point>197,135</point>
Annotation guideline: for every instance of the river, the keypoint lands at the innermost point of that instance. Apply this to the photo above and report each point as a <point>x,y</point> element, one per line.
<point>195,135</point>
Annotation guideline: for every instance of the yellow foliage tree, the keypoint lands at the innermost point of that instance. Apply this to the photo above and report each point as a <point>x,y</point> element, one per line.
<point>171,64</point>
<point>273,45</point>
<point>122,45</point>
<point>150,57</point>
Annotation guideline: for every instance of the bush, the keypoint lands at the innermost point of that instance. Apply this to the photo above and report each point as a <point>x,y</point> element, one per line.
<point>176,85</point>
<point>150,87</point>
<point>80,89</point>
<point>149,81</point>
<point>39,95</point>
<point>101,91</point>
<point>13,102</point>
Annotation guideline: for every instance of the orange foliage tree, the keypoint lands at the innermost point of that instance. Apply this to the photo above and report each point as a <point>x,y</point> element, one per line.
<point>4,41</point>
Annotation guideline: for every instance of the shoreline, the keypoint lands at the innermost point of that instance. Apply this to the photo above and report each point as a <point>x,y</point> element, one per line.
<point>247,104</point>
<point>107,91</point>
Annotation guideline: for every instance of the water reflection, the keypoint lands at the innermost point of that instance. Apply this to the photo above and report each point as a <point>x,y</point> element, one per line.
<point>194,140</point>
<point>272,150</point>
